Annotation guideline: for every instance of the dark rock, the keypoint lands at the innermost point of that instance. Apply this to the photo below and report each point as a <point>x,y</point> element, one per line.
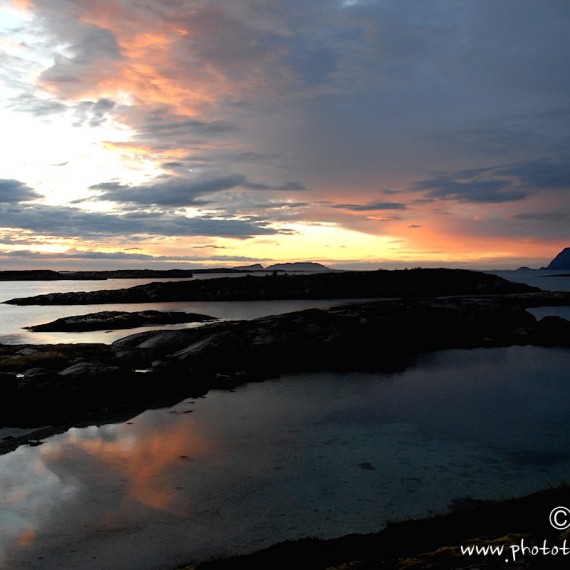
<point>253,267</point>
<point>88,369</point>
<point>332,285</point>
<point>119,320</point>
<point>553,331</point>
<point>561,261</point>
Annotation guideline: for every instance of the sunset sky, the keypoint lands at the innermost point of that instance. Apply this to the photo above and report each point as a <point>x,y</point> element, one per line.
<point>355,133</point>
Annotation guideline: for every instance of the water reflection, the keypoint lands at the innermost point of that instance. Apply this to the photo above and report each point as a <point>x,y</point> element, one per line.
<point>314,454</point>
<point>101,479</point>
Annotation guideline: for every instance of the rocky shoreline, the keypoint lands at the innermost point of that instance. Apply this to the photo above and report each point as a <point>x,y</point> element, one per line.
<point>49,388</point>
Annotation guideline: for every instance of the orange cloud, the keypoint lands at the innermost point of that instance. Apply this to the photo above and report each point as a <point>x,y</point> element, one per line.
<point>22,4</point>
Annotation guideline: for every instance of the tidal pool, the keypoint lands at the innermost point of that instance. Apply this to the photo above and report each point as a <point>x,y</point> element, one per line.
<point>304,455</point>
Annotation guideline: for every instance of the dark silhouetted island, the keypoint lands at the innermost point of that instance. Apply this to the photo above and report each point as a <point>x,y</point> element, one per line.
<point>330,285</point>
<point>114,320</point>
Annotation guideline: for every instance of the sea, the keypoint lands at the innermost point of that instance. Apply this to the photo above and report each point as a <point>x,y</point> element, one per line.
<point>320,454</point>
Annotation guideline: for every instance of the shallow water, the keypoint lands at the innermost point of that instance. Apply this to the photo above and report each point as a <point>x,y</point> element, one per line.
<point>313,454</point>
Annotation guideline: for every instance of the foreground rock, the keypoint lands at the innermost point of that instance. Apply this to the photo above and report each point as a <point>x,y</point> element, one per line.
<point>336,285</point>
<point>119,320</point>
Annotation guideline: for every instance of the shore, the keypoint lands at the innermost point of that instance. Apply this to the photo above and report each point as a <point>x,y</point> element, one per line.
<point>518,530</point>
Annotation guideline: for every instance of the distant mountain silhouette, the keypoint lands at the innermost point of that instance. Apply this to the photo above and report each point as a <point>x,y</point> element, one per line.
<point>298,266</point>
<point>254,267</point>
<point>561,261</point>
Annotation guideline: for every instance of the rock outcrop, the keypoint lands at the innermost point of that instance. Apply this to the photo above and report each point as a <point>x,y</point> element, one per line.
<point>113,320</point>
<point>298,266</point>
<point>561,262</point>
<point>332,285</point>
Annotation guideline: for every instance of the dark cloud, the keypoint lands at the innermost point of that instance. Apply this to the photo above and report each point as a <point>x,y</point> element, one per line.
<point>496,184</point>
<point>72,222</point>
<point>121,256</point>
<point>287,186</point>
<point>170,192</point>
<point>545,173</point>
<point>180,192</point>
<point>93,113</point>
<point>543,216</point>
<point>371,206</point>
<point>473,190</point>
<point>14,191</point>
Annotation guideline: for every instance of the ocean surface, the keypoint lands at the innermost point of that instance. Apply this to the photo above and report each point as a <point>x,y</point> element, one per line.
<point>303,455</point>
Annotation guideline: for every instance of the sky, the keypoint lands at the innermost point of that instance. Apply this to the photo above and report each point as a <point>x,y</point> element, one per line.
<point>355,133</point>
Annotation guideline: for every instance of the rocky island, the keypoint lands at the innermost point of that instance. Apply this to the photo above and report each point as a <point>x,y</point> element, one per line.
<point>337,285</point>
<point>114,320</point>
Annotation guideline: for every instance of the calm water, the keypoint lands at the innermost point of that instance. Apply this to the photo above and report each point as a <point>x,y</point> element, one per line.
<point>314,454</point>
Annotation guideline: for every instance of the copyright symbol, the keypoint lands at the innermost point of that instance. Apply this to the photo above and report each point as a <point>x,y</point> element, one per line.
<point>560,518</point>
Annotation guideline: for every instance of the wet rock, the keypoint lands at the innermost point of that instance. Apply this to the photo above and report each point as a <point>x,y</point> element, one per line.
<point>114,320</point>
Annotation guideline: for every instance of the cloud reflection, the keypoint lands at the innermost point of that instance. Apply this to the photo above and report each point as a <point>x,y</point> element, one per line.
<point>116,471</point>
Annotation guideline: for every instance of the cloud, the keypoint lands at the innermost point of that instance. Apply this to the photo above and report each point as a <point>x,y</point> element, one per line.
<point>14,191</point>
<point>180,192</point>
<point>171,192</point>
<point>542,216</point>
<point>371,206</point>
<point>75,254</point>
<point>544,173</point>
<point>90,56</point>
<point>93,113</point>
<point>497,184</point>
<point>451,103</point>
<point>493,190</point>
<point>72,222</point>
